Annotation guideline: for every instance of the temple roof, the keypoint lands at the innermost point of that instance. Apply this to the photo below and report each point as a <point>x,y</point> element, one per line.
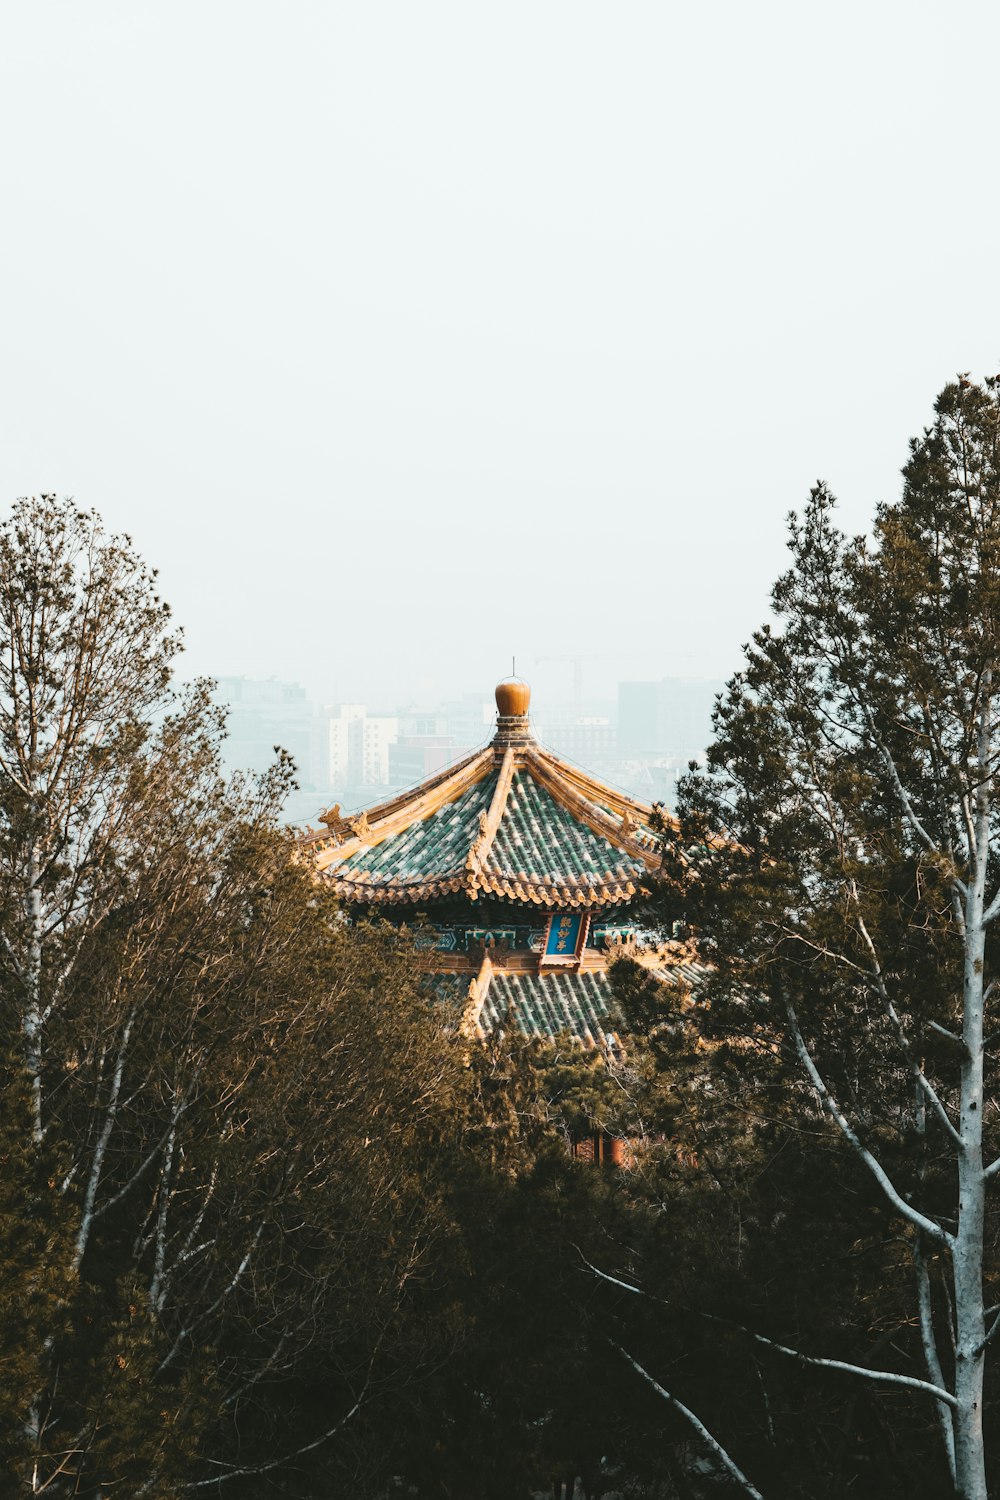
<point>512,821</point>
<point>578,1003</point>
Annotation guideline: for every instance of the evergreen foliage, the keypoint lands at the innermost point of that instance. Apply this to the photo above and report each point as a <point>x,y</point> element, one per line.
<point>838,860</point>
<point>266,1225</point>
<point>270,1226</point>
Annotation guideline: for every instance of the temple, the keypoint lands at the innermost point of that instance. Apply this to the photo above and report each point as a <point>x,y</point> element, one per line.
<point>525,874</point>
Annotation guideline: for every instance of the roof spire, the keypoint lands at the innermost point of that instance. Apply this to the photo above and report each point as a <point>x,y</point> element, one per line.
<point>513,697</point>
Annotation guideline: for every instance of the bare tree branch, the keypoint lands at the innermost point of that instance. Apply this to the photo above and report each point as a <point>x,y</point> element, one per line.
<point>286,1458</point>
<point>949,1036</point>
<point>883,1377</point>
<point>850,1134</point>
<point>729,1464</point>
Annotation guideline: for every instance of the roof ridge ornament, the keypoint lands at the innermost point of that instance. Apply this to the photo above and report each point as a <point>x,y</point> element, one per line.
<point>513,697</point>
<point>360,826</point>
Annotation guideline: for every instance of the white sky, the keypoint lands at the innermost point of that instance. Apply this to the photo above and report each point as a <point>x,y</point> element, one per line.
<point>406,336</point>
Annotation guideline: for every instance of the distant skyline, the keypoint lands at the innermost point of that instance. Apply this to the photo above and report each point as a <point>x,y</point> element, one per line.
<point>404,338</point>
<point>345,752</point>
<point>551,682</point>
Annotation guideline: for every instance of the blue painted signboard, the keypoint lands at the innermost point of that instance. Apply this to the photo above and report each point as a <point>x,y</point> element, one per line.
<point>564,936</point>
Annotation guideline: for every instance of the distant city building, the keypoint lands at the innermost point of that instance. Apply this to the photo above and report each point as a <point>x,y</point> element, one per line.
<point>334,751</point>
<point>584,736</point>
<point>416,756</point>
<point>356,746</point>
<point>419,723</point>
<point>469,720</point>
<point>373,737</point>
<point>425,745</point>
<point>263,713</point>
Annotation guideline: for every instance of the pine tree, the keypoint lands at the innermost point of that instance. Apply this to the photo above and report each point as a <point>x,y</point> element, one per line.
<point>839,856</point>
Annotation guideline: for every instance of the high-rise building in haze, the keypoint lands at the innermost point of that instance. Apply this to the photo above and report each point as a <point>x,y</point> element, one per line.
<point>263,713</point>
<point>354,746</point>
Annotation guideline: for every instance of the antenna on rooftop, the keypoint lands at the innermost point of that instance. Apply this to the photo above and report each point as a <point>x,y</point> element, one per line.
<point>513,666</point>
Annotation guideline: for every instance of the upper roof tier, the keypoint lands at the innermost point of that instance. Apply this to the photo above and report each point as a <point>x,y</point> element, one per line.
<point>512,821</point>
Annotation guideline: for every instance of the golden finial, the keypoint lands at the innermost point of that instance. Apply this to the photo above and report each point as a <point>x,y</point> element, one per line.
<point>513,697</point>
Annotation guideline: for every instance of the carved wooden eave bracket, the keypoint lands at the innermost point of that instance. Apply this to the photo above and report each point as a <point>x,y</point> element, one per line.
<point>362,886</point>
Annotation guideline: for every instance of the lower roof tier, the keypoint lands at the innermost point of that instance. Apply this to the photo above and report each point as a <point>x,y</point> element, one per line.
<point>547,1004</point>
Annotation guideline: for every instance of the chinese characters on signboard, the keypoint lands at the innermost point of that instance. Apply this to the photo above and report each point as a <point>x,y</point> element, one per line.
<point>565,936</point>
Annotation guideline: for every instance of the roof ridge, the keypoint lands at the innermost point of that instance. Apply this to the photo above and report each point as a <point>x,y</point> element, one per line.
<point>338,824</point>
<point>584,782</point>
<point>489,822</point>
<point>478,987</point>
<point>596,819</point>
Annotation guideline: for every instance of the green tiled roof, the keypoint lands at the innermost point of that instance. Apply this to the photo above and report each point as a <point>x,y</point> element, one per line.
<point>552,1003</point>
<point>512,821</point>
<point>547,1004</point>
<point>449,989</point>
<point>693,974</point>
<point>433,846</point>
<point>539,838</point>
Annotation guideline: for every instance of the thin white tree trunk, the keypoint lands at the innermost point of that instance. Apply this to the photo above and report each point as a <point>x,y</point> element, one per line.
<point>100,1149</point>
<point>156,1287</point>
<point>931,1357</point>
<point>31,1020</point>
<point>968,1245</point>
<point>967,1249</point>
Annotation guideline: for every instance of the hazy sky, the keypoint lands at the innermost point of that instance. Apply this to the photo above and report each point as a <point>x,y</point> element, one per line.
<point>403,337</point>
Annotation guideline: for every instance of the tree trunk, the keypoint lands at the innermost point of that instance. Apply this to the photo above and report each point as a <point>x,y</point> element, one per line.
<point>967,1251</point>
<point>31,1021</point>
<point>970,1465</point>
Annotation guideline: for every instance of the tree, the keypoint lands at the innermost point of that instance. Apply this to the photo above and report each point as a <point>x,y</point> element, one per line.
<point>85,662</point>
<point>530,1391</point>
<point>839,856</point>
<point>221,1100</point>
<point>264,1228</point>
